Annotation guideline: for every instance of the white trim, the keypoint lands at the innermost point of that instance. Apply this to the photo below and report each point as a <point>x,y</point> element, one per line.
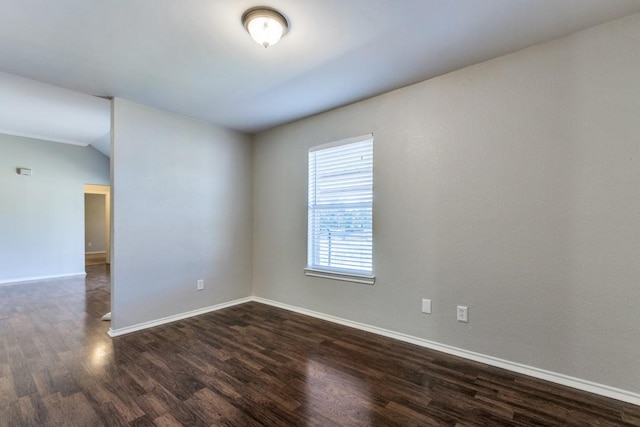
<point>566,380</point>
<point>580,384</point>
<point>152,323</point>
<point>40,278</point>
<point>346,141</point>
<point>95,252</point>
<point>336,275</point>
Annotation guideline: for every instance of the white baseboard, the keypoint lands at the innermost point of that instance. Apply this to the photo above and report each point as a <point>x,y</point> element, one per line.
<point>577,383</point>
<point>580,384</point>
<point>95,252</point>
<point>181,316</point>
<point>39,278</point>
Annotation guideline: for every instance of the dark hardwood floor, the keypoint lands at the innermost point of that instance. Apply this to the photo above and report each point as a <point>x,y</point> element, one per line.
<point>249,365</point>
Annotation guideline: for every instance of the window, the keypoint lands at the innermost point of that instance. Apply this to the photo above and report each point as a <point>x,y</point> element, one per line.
<point>340,203</point>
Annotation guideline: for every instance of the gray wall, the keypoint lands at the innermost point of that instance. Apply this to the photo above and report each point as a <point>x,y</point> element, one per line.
<point>512,186</point>
<point>181,212</point>
<point>42,216</point>
<point>95,223</point>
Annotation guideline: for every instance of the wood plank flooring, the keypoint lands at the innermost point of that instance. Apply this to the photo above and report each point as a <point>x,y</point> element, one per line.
<point>249,365</point>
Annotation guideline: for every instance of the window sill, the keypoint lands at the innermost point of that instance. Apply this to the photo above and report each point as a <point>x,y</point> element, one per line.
<point>345,277</point>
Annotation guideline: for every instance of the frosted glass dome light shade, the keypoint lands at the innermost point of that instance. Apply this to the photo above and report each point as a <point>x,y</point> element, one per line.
<point>265,25</point>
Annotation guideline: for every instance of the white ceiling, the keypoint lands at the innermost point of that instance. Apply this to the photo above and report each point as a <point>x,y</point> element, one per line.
<point>42,111</point>
<point>193,56</point>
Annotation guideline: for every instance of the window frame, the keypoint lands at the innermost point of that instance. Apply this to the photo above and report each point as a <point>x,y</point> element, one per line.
<point>338,273</point>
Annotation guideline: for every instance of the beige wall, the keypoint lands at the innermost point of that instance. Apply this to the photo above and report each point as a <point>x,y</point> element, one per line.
<point>95,237</point>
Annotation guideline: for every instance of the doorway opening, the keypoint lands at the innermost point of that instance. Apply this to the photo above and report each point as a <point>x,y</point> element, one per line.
<point>97,222</point>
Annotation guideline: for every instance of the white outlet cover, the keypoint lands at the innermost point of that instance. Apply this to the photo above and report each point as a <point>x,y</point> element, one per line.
<point>426,306</point>
<point>462,313</point>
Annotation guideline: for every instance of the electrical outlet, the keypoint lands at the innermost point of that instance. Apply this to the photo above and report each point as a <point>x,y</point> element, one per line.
<point>89,244</point>
<point>426,306</point>
<point>200,285</point>
<point>462,314</point>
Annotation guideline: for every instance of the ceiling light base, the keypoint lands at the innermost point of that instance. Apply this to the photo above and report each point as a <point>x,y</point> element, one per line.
<point>265,25</point>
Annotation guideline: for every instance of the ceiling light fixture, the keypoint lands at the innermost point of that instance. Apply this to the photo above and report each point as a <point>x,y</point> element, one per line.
<point>266,25</point>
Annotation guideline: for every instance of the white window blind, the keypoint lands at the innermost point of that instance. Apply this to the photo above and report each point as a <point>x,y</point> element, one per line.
<point>340,238</point>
